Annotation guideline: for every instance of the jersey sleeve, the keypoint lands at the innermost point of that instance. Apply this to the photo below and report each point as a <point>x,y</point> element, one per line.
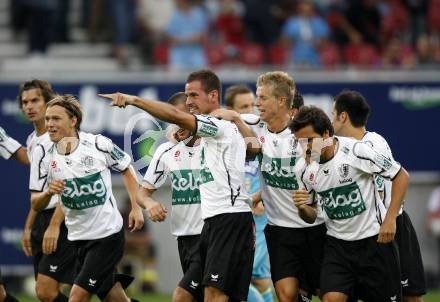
<point>370,160</point>
<point>39,169</point>
<point>8,145</point>
<point>115,157</point>
<point>157,171</point>
<point>209,126</point>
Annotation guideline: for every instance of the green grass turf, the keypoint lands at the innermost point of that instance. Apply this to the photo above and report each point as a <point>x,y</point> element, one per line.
<point>432,296</point>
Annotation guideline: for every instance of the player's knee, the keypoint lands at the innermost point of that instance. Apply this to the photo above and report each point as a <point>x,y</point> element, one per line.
<point>333,297</point>
<point>286,294</point>
<point>182,295</point>
<point>45,293</point>
<point>214,294</point>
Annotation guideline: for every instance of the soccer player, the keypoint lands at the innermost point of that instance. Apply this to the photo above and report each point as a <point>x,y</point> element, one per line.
<point>10,148</point>
<point>241,99</point>
<point>45,234</point>
<point>181,161</point>
<point>350,115</point>
<point>227,238</point>
<point>295,246</point>
<point>359,253</point>
<point>77,168</point>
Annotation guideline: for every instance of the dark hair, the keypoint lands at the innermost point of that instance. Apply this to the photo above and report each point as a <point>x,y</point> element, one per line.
<point>71,105</point>
<point>233,91</point>
<point>355,105</point>
<point>208,79</point>
<point>178,97</point>
<point>298,100</point>
<point>312,116</point>
<point>45,88</point>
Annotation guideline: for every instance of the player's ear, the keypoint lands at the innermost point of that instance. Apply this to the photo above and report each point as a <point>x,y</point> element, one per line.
<point>344,117</point>
<point>213,96</point>
<point>74,121</point>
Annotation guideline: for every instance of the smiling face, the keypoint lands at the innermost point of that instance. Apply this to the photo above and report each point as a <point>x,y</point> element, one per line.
<point>59,124</point>
<point>197,100</point>
<point>33,105</point>
<point>267,103</point>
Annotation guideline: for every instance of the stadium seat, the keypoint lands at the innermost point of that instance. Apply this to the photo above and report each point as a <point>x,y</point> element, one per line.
<point>216,54</point>
<point>278,54</point>
<point>161,54</point>
<point>329,55</point>
<point>252,54</point>
<point>434,16</point>
<point>361,54</point>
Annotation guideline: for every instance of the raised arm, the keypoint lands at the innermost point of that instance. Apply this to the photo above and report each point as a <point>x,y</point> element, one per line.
<point>135,218</point>
<point>161,110</point>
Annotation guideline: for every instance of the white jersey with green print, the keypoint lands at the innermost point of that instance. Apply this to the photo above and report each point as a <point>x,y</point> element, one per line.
<point>346,191</point>
<point>222,160</point>
<point>182,164</point>
<point>87,201</point>
<point>38,153</point>
<point>8,145</point>
<point>383,185</point>
<point>279,174</point>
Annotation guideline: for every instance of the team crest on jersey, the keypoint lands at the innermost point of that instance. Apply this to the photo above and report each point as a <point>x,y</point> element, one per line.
<point>87,161</point>
<point>344,170</point>
<point>53,164</point>
<point>177,154</point>
<point>262,140</point>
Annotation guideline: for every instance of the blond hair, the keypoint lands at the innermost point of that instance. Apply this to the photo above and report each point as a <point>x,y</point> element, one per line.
<point>281,83</point>
<point>71,105</point>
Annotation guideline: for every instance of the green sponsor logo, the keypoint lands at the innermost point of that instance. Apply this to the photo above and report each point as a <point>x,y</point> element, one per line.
<point>205,173</point>
<point>117,153</point>
<point>208,130</point>
<point>185,185</point>
<point>382,161</point>
<point>343,202</point>
<point>380,182</point>
<point>3,135</point>
<point>279,172</point>
<point>345,150</point>
<point>84,192</point>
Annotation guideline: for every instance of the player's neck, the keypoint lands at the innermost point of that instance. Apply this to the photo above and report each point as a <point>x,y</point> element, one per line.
<point>278,124</point>
<point>40,127</point>
<point>68,144</point>
<point>356,133</point>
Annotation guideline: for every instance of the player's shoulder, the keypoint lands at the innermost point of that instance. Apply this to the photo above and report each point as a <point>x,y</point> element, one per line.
<point>346,145</point>
<point>374,138</point>
<point>30,138</point>
<point>165,147</point>
<point>253,120</point>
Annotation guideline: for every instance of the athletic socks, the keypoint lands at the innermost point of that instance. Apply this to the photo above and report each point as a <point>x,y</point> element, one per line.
<point>61,298</point>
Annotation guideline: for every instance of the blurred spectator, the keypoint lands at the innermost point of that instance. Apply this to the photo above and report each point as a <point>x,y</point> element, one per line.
<point>433,219</point>
<point>418,10</point>
<point>40,15</point>
<point>60,31</point>
<point>306,31</point>
<point>426,50</point>
<point>124,21</point>
<point>262,21</point>
<point>397,55</point>
<point>153,18</point>
<point>187,32</point>
<point>95,19</point>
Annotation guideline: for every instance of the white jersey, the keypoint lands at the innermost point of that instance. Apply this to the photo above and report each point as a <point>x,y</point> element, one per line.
<point>222,159</point>
<point>383,185</point>
<point>279,156</point>
<point>182,163</point>
<point>87,201</point>
<point>38,153</point>
<point>346,191</point>
<point>8,145</point>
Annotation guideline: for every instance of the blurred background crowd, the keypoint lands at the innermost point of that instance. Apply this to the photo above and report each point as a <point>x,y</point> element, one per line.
<point>182,34</point>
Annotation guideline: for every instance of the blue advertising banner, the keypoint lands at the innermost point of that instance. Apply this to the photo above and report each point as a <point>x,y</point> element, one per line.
<point>406,114</point>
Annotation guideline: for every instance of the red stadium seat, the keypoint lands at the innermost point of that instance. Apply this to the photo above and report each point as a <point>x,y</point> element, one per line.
<point>216,54</point>
<point>434,15</point>
<point>330,55</point>
<point>252,54</point>
<point>161,54</point>
<point>278,54</point>
<point>361,54</point>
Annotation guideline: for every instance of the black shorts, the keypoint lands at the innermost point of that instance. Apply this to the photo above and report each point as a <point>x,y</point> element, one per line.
<point>97,261</point>
<point>296,252</point>
<point>411,265</point>
<point>189,254</point>
<point>363,268</point>
<point>60,265</point>
<point>227,246</point>
<point>1,280</point>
